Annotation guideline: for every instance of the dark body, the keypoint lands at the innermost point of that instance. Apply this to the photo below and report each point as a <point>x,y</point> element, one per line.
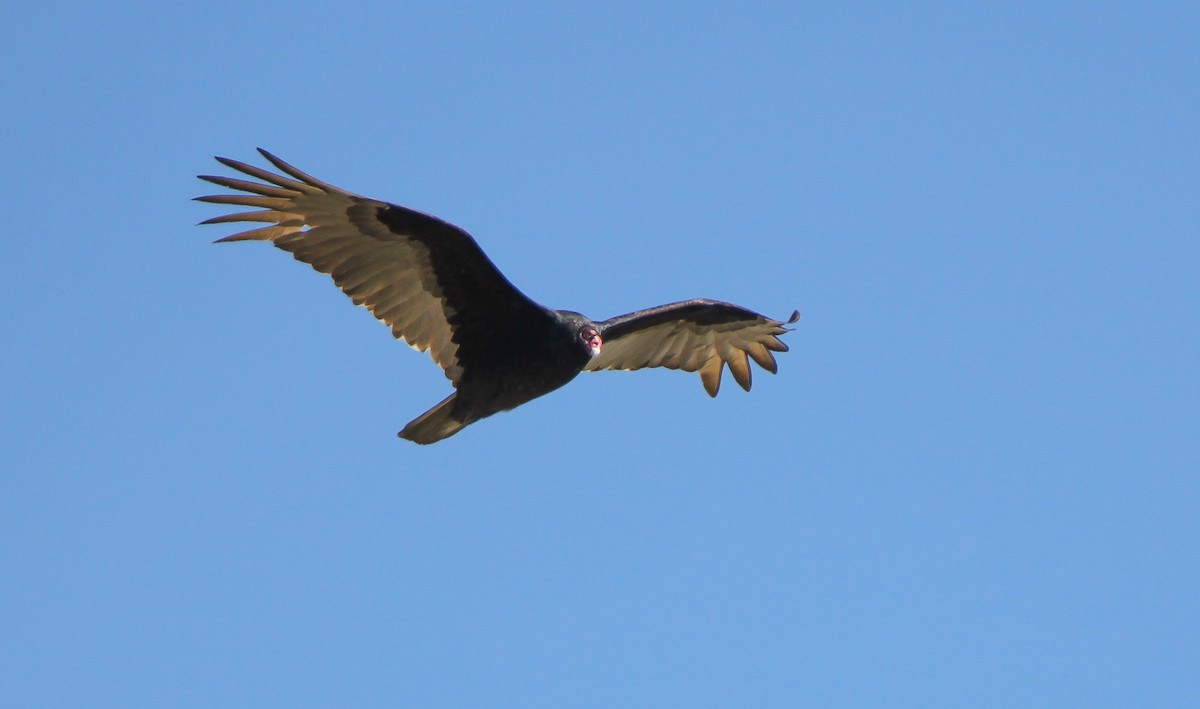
<point>429,281</point>
<point>538,356</point>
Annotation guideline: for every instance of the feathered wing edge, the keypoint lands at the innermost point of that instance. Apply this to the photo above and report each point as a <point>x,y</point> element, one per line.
<point>737,356</point>
<point>337,233</point>
<point>274,200</point>
<point>694,336</point>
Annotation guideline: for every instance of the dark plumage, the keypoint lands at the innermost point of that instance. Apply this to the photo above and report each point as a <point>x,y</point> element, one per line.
<point>435,288</point>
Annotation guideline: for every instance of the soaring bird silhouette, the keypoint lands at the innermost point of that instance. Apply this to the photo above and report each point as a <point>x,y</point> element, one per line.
<point>435,288</point>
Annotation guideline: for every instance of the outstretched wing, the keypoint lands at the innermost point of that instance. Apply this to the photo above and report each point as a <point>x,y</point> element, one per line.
<point>696,336</point>
<point>426,279</point>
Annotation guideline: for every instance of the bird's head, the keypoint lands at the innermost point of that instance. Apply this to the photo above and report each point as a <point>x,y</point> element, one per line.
<point>590,337</point>
<point>587,335</point>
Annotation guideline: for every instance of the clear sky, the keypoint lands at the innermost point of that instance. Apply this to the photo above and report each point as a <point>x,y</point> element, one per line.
<point>974,481</point>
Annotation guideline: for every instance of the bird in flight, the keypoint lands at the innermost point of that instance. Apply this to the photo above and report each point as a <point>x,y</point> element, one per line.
<point>434,287</point>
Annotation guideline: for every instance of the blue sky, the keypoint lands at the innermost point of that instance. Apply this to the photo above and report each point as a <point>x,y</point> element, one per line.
<point>972,483</point>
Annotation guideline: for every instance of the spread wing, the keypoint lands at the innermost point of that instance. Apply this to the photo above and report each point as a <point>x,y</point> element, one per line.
<point>426,279</point>
<point>696,336</point>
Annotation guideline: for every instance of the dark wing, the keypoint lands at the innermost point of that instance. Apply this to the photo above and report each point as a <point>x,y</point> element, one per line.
<point>696,336</point>
<point>426,279</point>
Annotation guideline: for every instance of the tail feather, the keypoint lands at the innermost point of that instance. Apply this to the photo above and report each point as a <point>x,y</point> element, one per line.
<point>435,424</point>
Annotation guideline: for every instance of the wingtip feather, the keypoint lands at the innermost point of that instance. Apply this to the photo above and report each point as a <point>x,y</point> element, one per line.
<point>739,367</point>
<point>294,171</point>
<point>710,375</point>
<point>267,233</point>
<point>760,354</point>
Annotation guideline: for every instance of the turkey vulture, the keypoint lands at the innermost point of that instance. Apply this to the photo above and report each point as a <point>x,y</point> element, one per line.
<point>435,288</point>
